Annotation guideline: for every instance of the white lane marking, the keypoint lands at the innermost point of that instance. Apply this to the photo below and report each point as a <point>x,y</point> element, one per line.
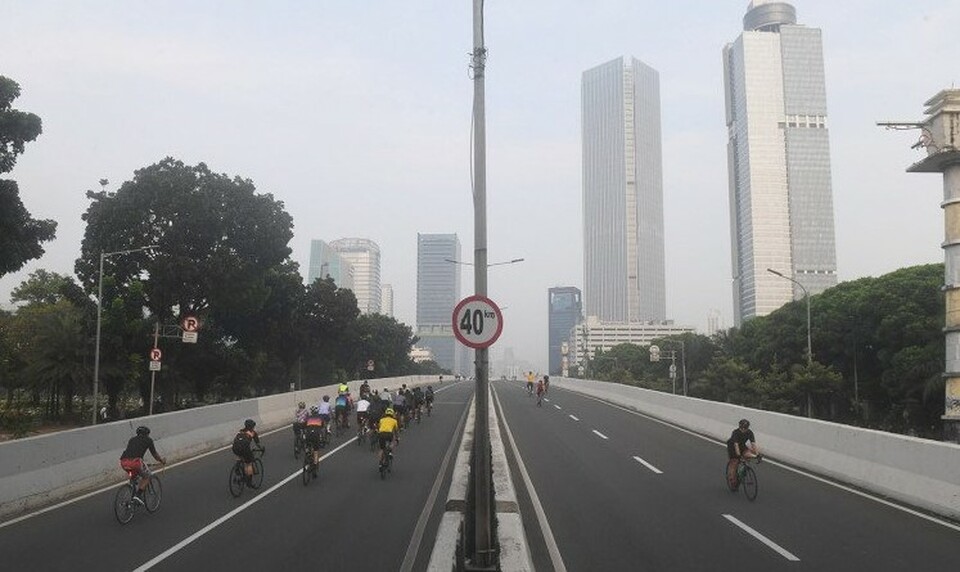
<point>647,465</point>
<point>767,459</point>
<point>575,418</point>
<point>547,400</point>
<point>557,406</point>
<point>121,482</point>
<point>188,540</point>
<point>548,538</point>
<point>773,545</point>
<point>414,547</point>
<point>599,434</point>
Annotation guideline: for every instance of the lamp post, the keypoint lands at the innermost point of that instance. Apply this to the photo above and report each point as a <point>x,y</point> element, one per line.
<point>96,353</point>
<point>806,296</point>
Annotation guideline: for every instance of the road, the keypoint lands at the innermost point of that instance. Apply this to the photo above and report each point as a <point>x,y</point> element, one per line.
<point>620,491</point>
<point>346,520</point>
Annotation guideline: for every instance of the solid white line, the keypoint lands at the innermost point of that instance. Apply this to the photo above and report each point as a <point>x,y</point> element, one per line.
<point>548,538</point>
<point>414,546</point>
<point>574,418</point>
<point>648,465</point>
<point>801,472</point>
<point>557,406</point>
<point>188,540</point>
<point>599,434</point>
<point>776,547</point>
<point>120,482</point>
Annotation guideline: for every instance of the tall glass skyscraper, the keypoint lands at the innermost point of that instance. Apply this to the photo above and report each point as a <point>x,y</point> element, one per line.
<point>364,256</point>
<point>781,200</point>
<point>623,256</point>
<point>565,308</point>
<point>325,262</point>
<point>438,291</point>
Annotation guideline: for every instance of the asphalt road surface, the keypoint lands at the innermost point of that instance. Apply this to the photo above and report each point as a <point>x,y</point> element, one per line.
<point>620,491</point>
<point>348,519</point>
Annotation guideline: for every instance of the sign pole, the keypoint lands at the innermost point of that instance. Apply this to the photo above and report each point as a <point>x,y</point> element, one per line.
<point>483,556</point>
<point>153,373</point>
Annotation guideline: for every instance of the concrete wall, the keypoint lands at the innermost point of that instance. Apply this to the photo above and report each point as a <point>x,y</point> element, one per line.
<point>918,472</point>
<point>41,470</point>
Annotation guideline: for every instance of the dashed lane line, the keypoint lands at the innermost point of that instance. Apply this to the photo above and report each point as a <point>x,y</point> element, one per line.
<point>771,544</point>
<point>599,434</point>
<point>575,418</point>
<point>557,406</point>
<point>647,465</point>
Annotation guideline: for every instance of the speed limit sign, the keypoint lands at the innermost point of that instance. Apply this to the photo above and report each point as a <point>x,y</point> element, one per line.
<point>477,322</point>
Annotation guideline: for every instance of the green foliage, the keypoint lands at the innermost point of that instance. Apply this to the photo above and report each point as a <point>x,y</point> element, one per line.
<point>21,235</point>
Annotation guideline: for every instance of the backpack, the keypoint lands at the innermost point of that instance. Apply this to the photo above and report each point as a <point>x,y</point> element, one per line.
<point>241,441</point>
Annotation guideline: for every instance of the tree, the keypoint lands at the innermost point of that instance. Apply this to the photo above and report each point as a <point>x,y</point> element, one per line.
<point>45,287</point>
<point>21,235</point>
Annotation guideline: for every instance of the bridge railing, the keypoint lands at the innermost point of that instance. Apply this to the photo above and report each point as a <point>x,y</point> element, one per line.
<point>919,472</point>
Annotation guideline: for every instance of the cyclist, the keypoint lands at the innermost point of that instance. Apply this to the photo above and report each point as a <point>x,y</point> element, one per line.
<point>742,444</point>
<point>323,406</point>
<point>342,405</point>
<point>243,449</point>
<point>428,397</point>
<point>362,407</point>
<point>387,431</point>
<point>398,402</point>
<point>546,384</point>
<point>312,435</point>
<point>299,417</point>
<point>410,404</point>
<point>441,380</point>
<point>132,458</point>
<point>529,383</point>
<point>365,390</point>
<point>540,392</point>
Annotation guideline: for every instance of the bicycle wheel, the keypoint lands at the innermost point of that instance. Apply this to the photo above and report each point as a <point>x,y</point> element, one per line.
<point>153,494</point>
<point>307,456</point>
<point>123,506</point>
<point>749,482</point>
<point>257,481</point>
<point>237,479</point>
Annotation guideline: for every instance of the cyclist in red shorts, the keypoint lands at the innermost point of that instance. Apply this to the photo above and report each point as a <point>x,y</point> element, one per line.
<point>132,458</point>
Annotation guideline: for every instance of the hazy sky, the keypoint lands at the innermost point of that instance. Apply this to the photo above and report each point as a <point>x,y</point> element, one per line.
<point>356,114</point>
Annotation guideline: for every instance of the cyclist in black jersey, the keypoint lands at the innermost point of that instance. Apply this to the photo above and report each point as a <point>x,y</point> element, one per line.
<point>742,444</point>
<point>131,460</point>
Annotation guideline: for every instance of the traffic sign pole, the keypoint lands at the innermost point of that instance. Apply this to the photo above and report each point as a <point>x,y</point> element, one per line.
<point>153,373</point>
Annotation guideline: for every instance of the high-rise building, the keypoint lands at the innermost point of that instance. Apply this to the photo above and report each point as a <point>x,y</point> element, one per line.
<point>565,308</point>
<point>438,291</point>
<point>364,256</point>
<point>325,262</point>
<point>386,300</point>
<point>781,201</point>
<point>623,255</point>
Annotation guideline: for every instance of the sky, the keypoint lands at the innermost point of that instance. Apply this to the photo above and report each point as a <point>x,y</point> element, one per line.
<point>356,115</point>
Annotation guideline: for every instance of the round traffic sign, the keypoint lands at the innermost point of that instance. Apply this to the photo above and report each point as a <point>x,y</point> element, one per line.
<point>190,324</point>
<point>155,354</point>
<point>477,322</point>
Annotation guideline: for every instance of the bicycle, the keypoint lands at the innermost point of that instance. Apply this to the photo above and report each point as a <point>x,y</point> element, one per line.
<point>298,443</point>
<point>387,462</point>
<point>363,430</point>
<point>124,504</point>
<point>238,478</point>
<point>429,407</point>
<point>309,467</point>
<point>417,414</point>
<point>746,476</point>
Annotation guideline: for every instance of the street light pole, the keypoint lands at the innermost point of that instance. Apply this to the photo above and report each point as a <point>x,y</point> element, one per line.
<point>96,352</point>
<point>806,296</point>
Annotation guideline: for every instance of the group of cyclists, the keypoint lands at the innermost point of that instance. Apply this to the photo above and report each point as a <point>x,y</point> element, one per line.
<point>539,384</point>
<point>380,414</point>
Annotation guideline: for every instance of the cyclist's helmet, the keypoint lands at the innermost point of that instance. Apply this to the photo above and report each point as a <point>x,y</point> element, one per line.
<point>249,424</point>
<point>142,430</point>
<point>430,387</point>
<point>744,424</point>
<point>389,412</point>
<point>301,405</point>
<point>314,410</point>
<point>326,398</point>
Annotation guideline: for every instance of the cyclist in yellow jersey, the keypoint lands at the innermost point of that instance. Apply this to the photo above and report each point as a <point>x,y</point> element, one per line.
<point>387,431</point>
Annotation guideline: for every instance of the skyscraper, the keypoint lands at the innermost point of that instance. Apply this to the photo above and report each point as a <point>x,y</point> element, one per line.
<point>325,262</point>
<point>564,307</point>
<point>386,300</point>
<point>364,256</point>
<point>622,193</point>
<point>438,291</point>
<point>781,201</point>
